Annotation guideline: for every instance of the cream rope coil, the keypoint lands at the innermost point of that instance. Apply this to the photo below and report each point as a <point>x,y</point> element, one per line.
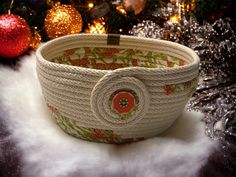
<point>88,98</point>
<point>100,99</point>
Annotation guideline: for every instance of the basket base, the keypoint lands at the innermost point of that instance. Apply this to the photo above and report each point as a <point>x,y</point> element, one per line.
<point>91,134</point>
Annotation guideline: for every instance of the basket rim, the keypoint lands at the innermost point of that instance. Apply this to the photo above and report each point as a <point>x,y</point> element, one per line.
<point>64,67</point>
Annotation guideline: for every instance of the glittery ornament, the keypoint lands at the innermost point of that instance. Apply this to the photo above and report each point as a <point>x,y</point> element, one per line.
<point>35,40</point>
<point>62,20</point>
<point>134,5</point>
<point>15,36</point>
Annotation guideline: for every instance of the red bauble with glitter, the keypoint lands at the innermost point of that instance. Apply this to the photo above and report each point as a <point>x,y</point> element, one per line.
<point>15,35</point>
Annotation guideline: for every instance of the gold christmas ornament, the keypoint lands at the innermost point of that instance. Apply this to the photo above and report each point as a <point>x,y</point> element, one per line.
<point>134,5</point>
<point>35,40</point>
<point>62,20</point>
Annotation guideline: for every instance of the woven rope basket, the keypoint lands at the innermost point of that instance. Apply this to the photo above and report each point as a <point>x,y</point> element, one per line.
<point>115,89</point>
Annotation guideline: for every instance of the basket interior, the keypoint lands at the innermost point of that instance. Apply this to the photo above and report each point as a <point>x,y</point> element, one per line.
<point>113,58</point>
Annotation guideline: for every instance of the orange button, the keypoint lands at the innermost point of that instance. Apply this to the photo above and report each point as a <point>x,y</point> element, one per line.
<point>123,102</point>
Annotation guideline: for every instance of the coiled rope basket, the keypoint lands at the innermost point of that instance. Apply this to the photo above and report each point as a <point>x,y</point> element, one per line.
<point>115,89</point>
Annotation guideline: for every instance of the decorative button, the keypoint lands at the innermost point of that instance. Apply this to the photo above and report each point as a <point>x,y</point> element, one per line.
<point>123,102</point>
<point>119,102</point>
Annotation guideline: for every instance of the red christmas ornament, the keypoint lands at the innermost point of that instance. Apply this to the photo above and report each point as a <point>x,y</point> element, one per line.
<point>15,35</point>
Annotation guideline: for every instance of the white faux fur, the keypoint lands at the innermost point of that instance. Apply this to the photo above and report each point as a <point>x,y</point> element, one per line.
<point>48,152</point>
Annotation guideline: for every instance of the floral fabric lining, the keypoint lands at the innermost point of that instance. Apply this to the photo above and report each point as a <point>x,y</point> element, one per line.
<point>113,58</point>
<point>174,88</point>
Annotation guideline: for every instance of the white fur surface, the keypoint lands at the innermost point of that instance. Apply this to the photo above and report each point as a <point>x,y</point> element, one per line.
<point>48,152</point>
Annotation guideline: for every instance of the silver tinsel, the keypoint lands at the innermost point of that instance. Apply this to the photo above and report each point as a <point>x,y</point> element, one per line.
<point>216,46</point>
